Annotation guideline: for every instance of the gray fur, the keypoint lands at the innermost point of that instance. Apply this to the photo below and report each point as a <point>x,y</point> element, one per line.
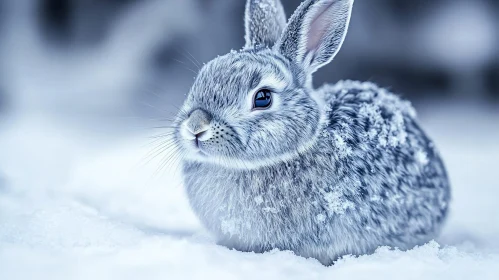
<point>324,172</point>
<point>269,12</point>
<point>316,32</point>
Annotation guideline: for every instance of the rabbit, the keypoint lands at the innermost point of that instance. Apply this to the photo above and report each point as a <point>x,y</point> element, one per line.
<point>269,162</point>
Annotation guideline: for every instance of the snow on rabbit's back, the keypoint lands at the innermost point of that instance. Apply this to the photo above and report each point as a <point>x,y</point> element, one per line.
<point>269,162</point>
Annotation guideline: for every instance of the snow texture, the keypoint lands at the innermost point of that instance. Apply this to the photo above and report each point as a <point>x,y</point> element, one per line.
<point>91,213</point>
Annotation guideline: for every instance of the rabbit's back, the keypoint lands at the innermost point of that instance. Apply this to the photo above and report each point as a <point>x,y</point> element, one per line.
<point>389,169</point>
<point>382,181</point>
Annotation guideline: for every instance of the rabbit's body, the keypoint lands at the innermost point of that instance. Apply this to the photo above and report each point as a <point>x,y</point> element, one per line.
<point>272,163</point>
<point>372,178</point>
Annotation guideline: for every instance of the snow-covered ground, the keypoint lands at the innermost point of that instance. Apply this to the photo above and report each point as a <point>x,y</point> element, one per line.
<point>74,205</point>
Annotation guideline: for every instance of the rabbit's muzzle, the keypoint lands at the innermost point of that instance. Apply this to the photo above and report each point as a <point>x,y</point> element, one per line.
<point>198,123</point>
<point>196,128</point>
<point>205,136</point>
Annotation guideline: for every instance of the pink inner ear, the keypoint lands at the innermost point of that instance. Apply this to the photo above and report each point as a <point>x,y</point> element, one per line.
<point>322,21</point>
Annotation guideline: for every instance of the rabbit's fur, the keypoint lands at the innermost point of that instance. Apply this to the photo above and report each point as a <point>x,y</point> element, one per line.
<point>324,172</point>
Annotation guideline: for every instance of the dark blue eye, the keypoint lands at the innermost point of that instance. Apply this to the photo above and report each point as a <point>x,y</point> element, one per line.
<point>263,99</point>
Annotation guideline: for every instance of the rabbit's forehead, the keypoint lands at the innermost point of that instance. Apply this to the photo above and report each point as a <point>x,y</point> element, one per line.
<point>234,76</point>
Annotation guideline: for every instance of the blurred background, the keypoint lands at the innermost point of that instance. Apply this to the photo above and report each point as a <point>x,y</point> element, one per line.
<point>82,83</point>
<point>106,58</point>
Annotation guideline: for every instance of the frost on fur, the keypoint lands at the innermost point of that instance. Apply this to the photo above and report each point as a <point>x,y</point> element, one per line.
<point>383,110</point>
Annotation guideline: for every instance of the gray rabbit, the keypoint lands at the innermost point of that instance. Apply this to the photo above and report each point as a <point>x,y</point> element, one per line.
<point>269,162</point>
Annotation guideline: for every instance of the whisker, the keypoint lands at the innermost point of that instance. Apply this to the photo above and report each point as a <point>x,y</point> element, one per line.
<point>190,59</point>
<point>198,63</point>
<point>161,146</point>
<point>152,107</point>
<point>169,133</point>
<point>165,160</point>
<point>185,66</point>
<point>157,150</point>
<point>162,127</point>
<point>173,161</point>
<point>160,139</point>
<point>157,95</point>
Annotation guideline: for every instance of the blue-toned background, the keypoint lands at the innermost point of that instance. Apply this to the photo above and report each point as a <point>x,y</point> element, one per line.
<point>84,82</point>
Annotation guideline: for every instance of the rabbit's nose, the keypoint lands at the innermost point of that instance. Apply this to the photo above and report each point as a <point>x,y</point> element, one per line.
<point>198,123</point>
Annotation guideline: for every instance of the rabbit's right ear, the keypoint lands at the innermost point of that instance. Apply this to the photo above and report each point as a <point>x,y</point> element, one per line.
<point>315,32</point>
<point>264,22</point>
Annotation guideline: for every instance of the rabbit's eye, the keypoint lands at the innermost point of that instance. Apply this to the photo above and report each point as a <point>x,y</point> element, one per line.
<point>263,99</point>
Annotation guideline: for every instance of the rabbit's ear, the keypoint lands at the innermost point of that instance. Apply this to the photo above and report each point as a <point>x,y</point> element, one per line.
<point>264,22</point>
<point>315,32</point>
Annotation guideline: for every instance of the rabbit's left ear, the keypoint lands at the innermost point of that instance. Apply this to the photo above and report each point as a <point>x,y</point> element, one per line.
<point>264,22</point>
<point>315,32</point>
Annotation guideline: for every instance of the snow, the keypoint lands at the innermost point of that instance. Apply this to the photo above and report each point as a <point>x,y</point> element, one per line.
<point>421,157</point>
<point>320,218</point>
<point>258,200</point>
<point>390,132</point>
<point>342,147</point>
<point>76,205</point>
<point>336,204</point>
